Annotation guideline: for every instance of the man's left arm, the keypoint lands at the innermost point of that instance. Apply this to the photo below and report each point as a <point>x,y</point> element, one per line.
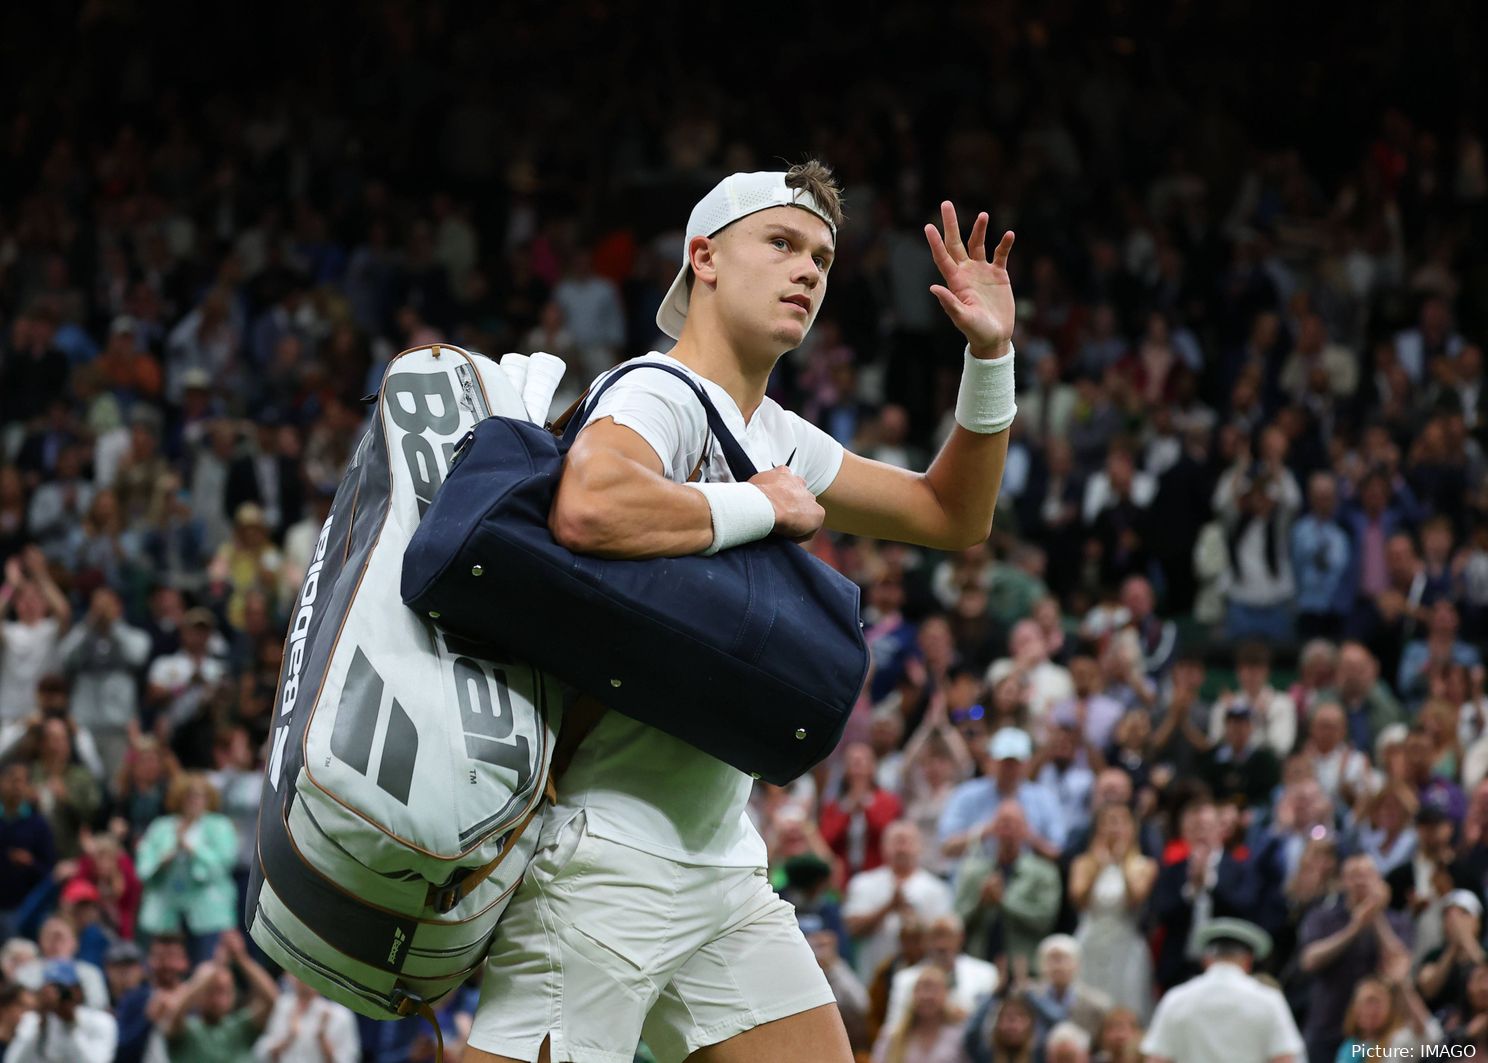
<point>949,506</point>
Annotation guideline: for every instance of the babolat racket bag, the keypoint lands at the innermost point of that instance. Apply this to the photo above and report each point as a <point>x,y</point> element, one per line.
<point>405,764</point>
<point>754,655</point>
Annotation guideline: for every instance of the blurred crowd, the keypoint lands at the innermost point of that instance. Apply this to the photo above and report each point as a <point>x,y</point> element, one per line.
<point>1222,656</point>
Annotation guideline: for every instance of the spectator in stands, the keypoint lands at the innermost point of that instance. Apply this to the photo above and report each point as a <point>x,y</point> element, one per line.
<point>58,942</point>
<point>62,1026</point>
<point>248,561</point>
<point>185,862</point>
<point>1322,558</point>
<point>205,1023</point>
<point>305,1027</point>
<point>103,656</point>
<point>1202,881</point>
<point>972,981</point>
<point>853,822</point>
<point>67,793</point>
<point>878,900</point>
<point>141,788</point>
<point>1273,713</point>
<point>930,1031</point>
<point>1061,995</point>
<point>1387,1016</point>
<point>1238,768</point>
<point>1439,647</point>
<point>1048,683</point>
<point>1367,703</point>
<point>1004,1028</point>
<point>1007,894</point>
<point>28,643</point>
<point>969,813</point>
<point>179,688</point>
<point>1340,943</point>
<point>1109,884</point>
<point>27,848</point>
<point>1090,708</point>
<point>1445,970</point>
<point>1340,769</point>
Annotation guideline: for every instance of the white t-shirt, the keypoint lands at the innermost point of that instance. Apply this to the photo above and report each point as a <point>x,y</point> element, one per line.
<point>25,655</point>
<point>638,786</point>
<point>868,891</point>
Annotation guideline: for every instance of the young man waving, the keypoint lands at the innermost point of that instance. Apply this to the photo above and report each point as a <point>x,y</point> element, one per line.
<point>646,909</point>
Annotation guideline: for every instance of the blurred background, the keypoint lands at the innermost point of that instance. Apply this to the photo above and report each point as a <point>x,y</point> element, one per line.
<point>1239,578</point>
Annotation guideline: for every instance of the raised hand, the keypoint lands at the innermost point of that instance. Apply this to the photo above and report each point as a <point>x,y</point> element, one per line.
<point>977,294</point>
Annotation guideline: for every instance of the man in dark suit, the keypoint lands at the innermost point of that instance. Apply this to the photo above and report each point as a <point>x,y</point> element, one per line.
<point>269,474</point>
<point>1206,883</point>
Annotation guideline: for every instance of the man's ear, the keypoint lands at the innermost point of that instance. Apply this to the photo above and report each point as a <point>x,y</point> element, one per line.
<point>701,256</point>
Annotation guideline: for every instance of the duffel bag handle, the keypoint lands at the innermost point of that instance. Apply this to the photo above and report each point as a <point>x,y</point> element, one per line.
<point>738,461</point>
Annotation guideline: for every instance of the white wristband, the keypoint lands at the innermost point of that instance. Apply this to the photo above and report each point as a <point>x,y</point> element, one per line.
<point>985,403</point>
<point>742,513</point>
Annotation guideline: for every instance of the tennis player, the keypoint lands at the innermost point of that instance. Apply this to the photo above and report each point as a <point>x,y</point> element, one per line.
<point>646,910</point>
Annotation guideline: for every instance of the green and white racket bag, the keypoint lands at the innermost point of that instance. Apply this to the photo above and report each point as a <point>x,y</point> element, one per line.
<point>404,767</point>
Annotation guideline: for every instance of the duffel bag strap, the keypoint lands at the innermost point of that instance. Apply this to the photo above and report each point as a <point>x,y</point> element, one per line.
<point>406,1003</point>
<point>445,900</point>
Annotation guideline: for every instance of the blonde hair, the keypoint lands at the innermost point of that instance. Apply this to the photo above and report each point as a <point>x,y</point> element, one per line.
<point>899,1039</point>
<point>183,784</point>
<point>1394,1017</point>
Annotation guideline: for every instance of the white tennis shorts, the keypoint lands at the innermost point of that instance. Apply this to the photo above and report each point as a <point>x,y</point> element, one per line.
<point>603,944</point>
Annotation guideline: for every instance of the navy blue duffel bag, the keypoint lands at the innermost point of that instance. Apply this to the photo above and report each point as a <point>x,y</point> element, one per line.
<point>754,655</point>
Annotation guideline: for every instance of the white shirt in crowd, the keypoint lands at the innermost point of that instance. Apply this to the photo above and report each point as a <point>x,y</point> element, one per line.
<point>1222,1016</point>
<point>1049,684</point>
<point>973,981</point>
<point>869,891</point>
<point>340,1029</point>
<point>27,652</point>
<point>91,1037</point>
<point>174,672</point>
<point>1274,714</point>
<point>636,785</point>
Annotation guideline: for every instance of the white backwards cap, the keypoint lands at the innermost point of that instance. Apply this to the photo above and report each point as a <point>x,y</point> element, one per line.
<point>736,196</point>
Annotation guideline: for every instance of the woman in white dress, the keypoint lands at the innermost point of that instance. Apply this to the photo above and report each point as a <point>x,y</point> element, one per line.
<point>1109,884</point>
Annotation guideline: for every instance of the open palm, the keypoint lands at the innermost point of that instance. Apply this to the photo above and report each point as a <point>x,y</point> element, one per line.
<point>977,293</point>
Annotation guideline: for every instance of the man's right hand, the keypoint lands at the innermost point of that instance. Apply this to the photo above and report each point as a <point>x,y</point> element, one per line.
<point>798,515</point>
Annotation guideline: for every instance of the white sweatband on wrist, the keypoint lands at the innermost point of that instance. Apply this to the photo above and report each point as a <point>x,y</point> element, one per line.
<point>742,513</point>
<point>985,403</point>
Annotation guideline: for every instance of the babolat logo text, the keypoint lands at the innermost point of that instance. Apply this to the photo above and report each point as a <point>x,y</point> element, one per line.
<point>295,657</point>
<point>398,941</point>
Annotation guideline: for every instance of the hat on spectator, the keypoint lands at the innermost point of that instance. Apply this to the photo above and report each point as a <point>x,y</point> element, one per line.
<point>198,617</point>
<point>78,891</point>
<point>1467,900</point>
<point>196,378</point>
<point>1235,931</point>
<point>1010,743</point>
<point>121,952</point>
<point>59,972</point>
<point>736,196</point>
<point>1238,710</point>
<point>121,324</point>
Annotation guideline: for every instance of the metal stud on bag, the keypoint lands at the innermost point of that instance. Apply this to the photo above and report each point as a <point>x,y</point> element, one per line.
<point>800,733</point>
<point>433,614</point>
<point>614,682</point>
<point>477,570</point>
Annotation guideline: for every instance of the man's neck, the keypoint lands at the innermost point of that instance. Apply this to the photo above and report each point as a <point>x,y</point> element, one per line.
<point>707,350</point>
